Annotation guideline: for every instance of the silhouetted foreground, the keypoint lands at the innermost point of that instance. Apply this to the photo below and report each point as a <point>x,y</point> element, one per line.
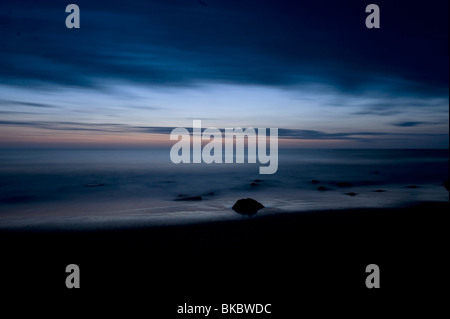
<point>297,262</point>
<point>247,206</point>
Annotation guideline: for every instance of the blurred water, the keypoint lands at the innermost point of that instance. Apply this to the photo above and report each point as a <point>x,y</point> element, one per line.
<point>51,184</point>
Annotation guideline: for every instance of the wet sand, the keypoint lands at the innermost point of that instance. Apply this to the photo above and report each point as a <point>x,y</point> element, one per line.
<point>297,262</point>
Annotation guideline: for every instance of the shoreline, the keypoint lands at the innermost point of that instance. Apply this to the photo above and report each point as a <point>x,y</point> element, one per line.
<point>245,260</point>
<point>145,218</point>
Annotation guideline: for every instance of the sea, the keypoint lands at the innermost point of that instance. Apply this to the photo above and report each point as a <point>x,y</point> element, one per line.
<point>67,189</point>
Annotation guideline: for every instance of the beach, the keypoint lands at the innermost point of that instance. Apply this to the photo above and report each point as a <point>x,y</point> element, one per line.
<point>149,236</point>
<point>298,262</point>
<point>117,188</point>
<point>224,159</point>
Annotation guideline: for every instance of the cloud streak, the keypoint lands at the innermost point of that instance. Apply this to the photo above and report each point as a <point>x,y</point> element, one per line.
<point>283,133</point>
<point>411,124</point>
<point>264,43</point>
<point>27,104</point>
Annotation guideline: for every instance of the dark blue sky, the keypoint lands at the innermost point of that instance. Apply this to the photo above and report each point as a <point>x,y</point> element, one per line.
<point>311,68</point>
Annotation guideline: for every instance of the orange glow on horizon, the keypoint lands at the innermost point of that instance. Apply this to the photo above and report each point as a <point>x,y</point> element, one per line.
<point>29,137</point>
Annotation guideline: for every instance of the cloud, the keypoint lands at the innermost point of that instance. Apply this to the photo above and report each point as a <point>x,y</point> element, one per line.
<point>410,124</point>
<point>133,51</point>
<point>282,133</point>
<point>23,103</point>
<point>19,113</point>
<point>266,42</point>
<point>390,106</point>
<point>320,135</point>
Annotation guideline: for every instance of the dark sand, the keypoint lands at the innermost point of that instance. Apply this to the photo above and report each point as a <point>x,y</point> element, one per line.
<point>301,262</point>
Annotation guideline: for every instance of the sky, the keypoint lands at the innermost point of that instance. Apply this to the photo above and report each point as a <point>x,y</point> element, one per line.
<point>135,70</point>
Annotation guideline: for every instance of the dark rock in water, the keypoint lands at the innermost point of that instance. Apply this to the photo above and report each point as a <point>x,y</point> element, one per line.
<point>376,173</point>
<point>247,206</point>
<point>94,185</point>
<point>323,188</point>
<point>256,182</point>
<point>344,184</point>
<point>211,194</point>
<point>189,199</point>
<point>380,191</point>
<point>351,194</point>
<point>447,184</point>
<point>412,186</point>
<point>315,182</point>
<point>183,195</point>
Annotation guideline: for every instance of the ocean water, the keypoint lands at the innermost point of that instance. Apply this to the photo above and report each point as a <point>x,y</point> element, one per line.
<point>96,188</point>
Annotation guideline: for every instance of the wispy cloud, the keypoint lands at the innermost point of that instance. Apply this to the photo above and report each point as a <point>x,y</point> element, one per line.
<point>24,103</point>
<point>19,113</point>
<point>390,106</point>
<point>171,43</point>
<point>410,124</point>
<point>283,133</point>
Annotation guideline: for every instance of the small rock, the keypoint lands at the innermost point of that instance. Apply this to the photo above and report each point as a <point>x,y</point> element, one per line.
<point>412,186</point>
<point>380,191</point>
<point>344,184</point>
<point>323,188</point>
<point>247,206</point>
<point>351,194</point>
<point>447,184</point>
